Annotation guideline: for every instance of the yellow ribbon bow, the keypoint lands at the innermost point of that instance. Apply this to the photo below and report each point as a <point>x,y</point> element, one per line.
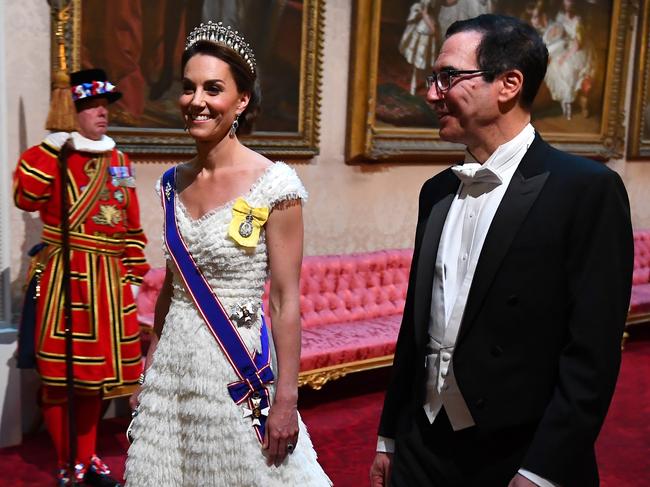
<point>246,223</point>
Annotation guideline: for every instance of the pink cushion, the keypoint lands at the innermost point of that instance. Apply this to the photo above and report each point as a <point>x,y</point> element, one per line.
<point>149,290</point>
<point>341,343</point>
<point>352,287</point>
<point>640,300</point>
<point>641,256</point>
<point>641,276</point>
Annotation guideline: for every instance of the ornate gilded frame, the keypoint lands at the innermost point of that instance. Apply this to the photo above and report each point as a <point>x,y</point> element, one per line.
<point>317,378</point>
<point>300,144</point>
<point>368,142</point>
<point>639,138</point>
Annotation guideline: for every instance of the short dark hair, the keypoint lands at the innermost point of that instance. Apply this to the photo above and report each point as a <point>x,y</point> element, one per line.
<point>245,80</point>
<point>508,43</point>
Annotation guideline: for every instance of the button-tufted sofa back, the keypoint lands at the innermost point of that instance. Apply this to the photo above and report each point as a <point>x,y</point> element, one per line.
<point>352,287</point>
<point>641,257</point>
<point>333,288</point>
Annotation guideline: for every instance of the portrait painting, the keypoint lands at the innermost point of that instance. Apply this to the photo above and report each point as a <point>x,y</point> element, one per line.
<point>574,107</point>
<point>639,138</point>
<point>139,43</point>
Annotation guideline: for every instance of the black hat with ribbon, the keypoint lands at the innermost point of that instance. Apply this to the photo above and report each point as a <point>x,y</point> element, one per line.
<point>88,84</point>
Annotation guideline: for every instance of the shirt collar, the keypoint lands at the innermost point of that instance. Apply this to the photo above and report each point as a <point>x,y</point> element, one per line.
<point>503,157</point>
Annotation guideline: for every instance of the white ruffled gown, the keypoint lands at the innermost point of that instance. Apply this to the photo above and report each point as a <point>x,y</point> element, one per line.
<point>189,432</point>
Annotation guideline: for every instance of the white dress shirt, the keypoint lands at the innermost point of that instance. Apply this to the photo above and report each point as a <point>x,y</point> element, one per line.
<point>466,226</point>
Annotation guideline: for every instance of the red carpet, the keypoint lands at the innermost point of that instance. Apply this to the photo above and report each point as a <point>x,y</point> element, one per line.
<point>342,420</point>
<point>623,446</point>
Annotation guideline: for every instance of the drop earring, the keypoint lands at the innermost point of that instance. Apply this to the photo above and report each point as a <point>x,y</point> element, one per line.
<point>234,127</point>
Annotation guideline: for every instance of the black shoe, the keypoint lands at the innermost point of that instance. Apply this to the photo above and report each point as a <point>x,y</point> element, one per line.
<point>99,480</point>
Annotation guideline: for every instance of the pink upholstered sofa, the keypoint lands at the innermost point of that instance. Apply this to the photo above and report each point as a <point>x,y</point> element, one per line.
<point>351,308</point>
<point>640,301</point>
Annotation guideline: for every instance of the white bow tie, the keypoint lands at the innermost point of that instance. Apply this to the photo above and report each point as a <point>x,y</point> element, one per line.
<point>473,172</point>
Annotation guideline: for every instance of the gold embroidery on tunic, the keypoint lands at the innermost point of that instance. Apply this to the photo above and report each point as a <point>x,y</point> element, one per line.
<point>91,167</point>
<point>108,215</point>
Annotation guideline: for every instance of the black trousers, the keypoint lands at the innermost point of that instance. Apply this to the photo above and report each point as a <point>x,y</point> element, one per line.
<point>434,455</point>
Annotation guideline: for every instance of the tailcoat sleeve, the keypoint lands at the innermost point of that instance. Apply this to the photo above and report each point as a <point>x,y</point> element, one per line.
<point>599,261</point>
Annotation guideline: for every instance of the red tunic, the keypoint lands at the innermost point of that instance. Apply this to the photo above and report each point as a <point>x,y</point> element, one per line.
<point>107,245</point>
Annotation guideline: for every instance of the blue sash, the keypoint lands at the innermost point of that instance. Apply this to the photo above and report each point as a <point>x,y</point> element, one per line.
<point>254,372</point>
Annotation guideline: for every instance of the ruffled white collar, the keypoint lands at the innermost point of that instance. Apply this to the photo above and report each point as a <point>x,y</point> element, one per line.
<point>80,143</point>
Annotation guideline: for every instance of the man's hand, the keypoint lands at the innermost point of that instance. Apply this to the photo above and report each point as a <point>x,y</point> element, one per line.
<point>521,481</point>
<point>380,470</point>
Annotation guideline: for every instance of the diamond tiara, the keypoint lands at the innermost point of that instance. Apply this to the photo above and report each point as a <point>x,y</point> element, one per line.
<point>220,34</point>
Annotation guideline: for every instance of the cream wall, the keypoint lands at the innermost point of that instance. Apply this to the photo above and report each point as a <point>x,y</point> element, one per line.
<point>351,208</point>
<point>24,86</point>
<point>27,46</point>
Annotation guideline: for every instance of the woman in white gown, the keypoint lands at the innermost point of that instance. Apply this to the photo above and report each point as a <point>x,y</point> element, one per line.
<point>189,431</point>
<point>570,66</point>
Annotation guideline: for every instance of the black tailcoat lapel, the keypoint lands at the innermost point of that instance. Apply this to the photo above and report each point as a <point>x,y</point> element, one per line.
<point>525,186</point>
<point>427,257</point>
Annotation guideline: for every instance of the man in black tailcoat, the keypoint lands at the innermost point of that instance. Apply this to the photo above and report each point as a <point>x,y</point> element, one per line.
<point>509,348</point>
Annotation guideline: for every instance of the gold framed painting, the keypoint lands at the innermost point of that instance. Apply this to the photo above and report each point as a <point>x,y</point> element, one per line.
<point>395,42</point>
<point>639,138</point>
<point>139,43</point>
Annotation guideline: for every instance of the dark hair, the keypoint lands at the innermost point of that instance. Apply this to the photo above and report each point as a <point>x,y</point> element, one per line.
<point>245,80</point>
<point>508,43</point>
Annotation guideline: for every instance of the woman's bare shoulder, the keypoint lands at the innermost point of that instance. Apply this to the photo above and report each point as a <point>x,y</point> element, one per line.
<point>185,174</point>
<point>255,160</point>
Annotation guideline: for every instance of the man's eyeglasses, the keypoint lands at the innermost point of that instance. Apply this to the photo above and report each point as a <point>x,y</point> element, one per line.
<point>443,79</point>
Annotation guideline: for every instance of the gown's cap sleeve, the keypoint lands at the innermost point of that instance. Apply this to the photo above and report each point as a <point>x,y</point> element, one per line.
<point>284,184</point>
